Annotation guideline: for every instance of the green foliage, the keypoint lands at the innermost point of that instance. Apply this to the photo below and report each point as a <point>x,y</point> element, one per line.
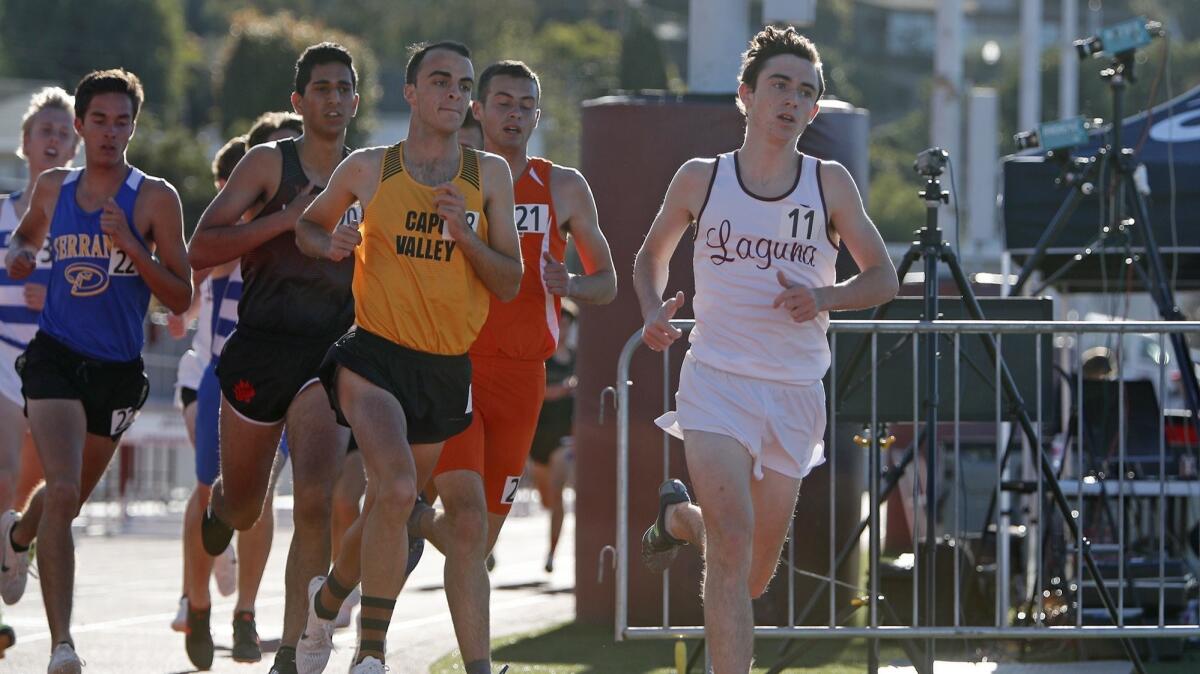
<point>641,64</point>
<point>256,70</point>
<point>63,40</point>
<point>176,155</point>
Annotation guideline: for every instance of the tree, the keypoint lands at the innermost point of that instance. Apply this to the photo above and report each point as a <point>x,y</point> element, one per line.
<point>642,65</point>
<point>175,154</point>
<point>63,40</point>
<point>256,69</point>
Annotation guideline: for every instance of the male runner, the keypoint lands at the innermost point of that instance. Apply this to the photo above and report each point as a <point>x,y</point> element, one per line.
<point>750,406</point>
<point>292,309</point>
<point>478,473</point>
<point>82,375</point>
<point>48,140</point>
<point>437,236</point>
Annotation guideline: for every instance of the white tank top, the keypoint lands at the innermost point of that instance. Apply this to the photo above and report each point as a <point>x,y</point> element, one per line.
<point>202,339</point>
<point>742,241</point>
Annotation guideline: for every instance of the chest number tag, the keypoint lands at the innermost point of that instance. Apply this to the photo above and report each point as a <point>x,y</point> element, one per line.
<point>472,222</point>
<point>119,263</point>
<point>532,218</point>
<point>797,222</point>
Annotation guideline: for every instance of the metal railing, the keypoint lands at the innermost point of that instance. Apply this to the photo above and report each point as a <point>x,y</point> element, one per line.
<point>1049,606</point>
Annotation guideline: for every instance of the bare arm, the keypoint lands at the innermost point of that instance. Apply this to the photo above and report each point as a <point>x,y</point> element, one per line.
<point>877,282</point>
<point>355,179</point>
<point>168,276</point>
<point>498,260</point>
<point>680,208</point>
<point>573,199</point>
<point>221,235</point>
<point>30,235</point>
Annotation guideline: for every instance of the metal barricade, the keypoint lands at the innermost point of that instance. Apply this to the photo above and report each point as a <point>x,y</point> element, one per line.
<point>1050,603</point>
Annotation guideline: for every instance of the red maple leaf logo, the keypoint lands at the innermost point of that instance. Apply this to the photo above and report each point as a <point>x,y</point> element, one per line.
<point>243,391</point>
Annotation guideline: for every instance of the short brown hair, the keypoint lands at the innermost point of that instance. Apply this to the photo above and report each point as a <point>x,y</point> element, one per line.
<point>228,157</point>
<point>113,81</point>
<point>772,41</point>
<point>516,69</point>
<point>270,122</point>
<point>417,52</point>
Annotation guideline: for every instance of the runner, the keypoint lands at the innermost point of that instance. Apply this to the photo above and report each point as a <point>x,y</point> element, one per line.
<point>82,374</point>
<point>478,474</point>
<point>48,140</point>
<point>550,456</point>
<point>438,235</point>
<point>291,310</point>
<point>750,406</point>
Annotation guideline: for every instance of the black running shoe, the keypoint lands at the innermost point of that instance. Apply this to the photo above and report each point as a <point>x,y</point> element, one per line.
<point>246,646</point>
<point>285,661</point>
<point>199,641</point>
<point>214,533</point>
<point>8,638</point>
<point>416,544</point>
<point>490,562</point>
<point>659,548</point>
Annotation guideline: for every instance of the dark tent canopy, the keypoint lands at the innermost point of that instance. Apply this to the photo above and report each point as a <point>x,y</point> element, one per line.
<point>1167,140</point>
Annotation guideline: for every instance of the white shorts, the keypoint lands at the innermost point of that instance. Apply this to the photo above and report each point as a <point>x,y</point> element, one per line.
<point>10,382</point>
<point>191,369</point>
<point>781,425</point>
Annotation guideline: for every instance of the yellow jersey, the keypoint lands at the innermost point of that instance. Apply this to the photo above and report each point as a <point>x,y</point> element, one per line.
<point>412,284</point>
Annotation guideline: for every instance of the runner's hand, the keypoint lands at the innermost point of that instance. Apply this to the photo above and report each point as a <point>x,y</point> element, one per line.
<point>451,207</point>
<point>176,326</point>
<point>116,226</point>
<point>801,302</point>
<point>342,242</point>
<point>554,274</point>
<point>658,333</point>
<point>35,296</point>
<point>20,263</point>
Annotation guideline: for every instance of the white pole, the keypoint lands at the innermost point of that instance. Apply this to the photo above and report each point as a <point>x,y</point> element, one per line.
<point>1068,67</point>
<point>945,117</point>
<point>718,31</point>
<point>1030,94</point>
<point>983,122</point>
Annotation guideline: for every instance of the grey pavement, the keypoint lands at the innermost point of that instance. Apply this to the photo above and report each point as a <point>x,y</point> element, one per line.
<point>128,586</point>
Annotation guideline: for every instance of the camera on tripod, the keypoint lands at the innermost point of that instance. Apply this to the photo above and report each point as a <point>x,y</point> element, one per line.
<point>1120,39</point>
<point>931,162</point>
<point>1057,135</point>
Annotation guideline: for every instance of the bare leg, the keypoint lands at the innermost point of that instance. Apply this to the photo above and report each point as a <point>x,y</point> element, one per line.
<point>346,494</point>
<point>12,433</point>
<point>247,452</point>
<point>31,476</point>
<point>194,510</point>
<point>254,546</point>
<point>197,565</point>
<point>317,446</point>
<point>460,532</point>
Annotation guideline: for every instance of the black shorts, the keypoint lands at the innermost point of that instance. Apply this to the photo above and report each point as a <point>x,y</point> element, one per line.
<point>111,393</point>
<point>433,390</point>
<point>554,423</point>
<point>187,396</point>
<point>261,374</point>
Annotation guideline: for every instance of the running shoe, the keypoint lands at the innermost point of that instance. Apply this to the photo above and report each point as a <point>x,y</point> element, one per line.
<point>316,644</point>
<point>64,660</point>
<point>285,661</point>
<point>225,571</point>
<point>14,566</point>
<point>416,544</point>
<point>659,548</point>
<point>343,617</point>
<point>246,645</point>
<point>179,624</point>
<point>369,665</point>
<point>199,641</point>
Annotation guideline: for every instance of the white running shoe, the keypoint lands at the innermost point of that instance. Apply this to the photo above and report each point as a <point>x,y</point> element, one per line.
<point>179,624</point>
<point>225,571</point>
<point>369,665</point>
<point>316,644</point>
<point>343,616</point>
<point>14,566</point>
<point>63,660</point>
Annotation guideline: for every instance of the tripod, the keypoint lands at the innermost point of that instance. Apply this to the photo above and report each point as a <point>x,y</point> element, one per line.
<point>1117,167</point>
<point>932,249</point>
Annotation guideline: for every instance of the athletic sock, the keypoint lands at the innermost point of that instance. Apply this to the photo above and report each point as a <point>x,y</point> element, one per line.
<point>374,617</point>
<point>483,666</point>
<point>332,594</point>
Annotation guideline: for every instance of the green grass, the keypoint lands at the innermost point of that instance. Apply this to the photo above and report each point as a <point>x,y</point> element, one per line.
<point>578,649</point>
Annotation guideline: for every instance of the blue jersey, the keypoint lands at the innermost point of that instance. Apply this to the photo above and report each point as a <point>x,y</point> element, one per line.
<point>18,323</point>
<point>225,310</point>
<point>97,300</point>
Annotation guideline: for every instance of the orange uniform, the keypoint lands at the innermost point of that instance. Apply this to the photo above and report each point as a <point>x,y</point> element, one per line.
<point>508,372</point>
